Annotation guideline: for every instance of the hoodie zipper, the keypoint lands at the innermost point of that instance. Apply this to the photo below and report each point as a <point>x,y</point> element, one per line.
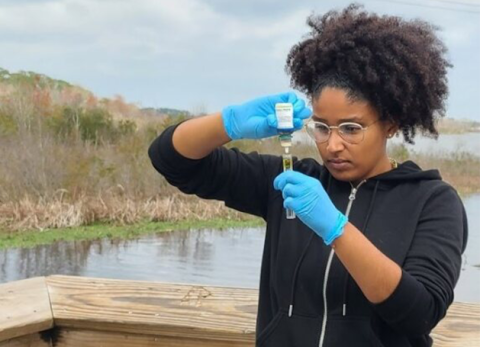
<point>352,196</point>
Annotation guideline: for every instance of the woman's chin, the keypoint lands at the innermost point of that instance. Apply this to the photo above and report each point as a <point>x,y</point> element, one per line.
<point>344,175</point>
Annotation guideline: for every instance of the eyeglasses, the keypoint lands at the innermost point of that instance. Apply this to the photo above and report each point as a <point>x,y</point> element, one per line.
<point>352,133</point>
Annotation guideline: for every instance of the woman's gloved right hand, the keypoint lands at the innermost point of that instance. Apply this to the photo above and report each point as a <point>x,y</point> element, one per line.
<point>256,119</point>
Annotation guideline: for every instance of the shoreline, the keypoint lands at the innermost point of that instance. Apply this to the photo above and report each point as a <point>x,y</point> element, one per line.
<point>30,238</point>
<point>33,238</point>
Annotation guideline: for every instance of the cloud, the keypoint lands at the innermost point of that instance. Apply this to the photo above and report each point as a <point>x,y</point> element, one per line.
<point>126,27</point>
<point>183,52</point>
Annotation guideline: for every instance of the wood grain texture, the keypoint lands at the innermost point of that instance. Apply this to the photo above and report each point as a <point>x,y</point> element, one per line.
<point>160,309</point>
<point>81,338</point>
<point>32,340</point>
<point>461,327</point>
<point>117,313</point>
<point>25,308</point>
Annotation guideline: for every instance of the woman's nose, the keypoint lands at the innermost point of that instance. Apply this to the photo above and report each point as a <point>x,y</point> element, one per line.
<point>335,142</point>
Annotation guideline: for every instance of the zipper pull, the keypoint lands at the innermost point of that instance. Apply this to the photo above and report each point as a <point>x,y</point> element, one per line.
<point>352,194</point>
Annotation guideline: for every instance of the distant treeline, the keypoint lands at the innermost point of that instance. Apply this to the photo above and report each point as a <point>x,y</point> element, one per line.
<point>167,111</point>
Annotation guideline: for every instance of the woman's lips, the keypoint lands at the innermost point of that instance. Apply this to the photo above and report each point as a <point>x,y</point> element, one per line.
<point>338,164</point>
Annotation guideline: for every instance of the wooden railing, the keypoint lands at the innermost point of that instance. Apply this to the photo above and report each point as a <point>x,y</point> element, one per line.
<point>69,311</point>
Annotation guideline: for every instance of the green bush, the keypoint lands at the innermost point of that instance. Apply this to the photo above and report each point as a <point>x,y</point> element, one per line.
<point>399,152</point>
<point>126,128</point>
<point>7,124</point>
<point>95,126</point>
<point>64,123</point>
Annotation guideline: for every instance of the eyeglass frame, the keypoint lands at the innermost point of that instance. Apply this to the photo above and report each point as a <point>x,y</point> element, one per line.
<point>331,127</point>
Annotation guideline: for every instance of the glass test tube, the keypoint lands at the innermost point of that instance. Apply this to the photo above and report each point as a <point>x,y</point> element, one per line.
<point>288,165</point>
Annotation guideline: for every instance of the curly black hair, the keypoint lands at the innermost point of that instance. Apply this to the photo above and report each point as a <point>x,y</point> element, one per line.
<point>398,66</point>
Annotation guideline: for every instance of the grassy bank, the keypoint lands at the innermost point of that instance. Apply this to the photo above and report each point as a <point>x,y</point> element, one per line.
<point>99,231</point>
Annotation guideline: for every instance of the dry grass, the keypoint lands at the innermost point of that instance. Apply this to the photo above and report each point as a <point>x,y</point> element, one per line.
<point>456,126</point>
<point>461,170</point>
<point>47,184</point>
<point>29,214</point>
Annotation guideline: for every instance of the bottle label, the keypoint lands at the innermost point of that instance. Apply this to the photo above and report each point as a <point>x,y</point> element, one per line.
<point>284,114</point>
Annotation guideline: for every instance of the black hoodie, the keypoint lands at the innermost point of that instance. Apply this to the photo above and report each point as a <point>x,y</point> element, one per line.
<point>306,297</point>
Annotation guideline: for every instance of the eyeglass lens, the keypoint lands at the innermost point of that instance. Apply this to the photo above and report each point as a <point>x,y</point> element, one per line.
<point>350,132</point>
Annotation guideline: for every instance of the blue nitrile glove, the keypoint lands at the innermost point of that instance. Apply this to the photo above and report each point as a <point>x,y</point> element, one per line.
<point>306,196</point>
<point>256,119</point>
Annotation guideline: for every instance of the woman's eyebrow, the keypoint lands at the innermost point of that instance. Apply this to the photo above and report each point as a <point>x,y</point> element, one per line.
<point>341,120</point>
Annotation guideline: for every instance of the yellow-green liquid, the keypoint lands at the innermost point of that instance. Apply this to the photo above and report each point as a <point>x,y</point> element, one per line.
<point>288,165</point>
<point>287,162</point>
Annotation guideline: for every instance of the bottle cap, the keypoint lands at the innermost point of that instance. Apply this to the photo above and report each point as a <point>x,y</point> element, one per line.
<point>285,140</point>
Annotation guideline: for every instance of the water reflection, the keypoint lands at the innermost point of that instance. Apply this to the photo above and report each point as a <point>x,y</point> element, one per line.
<point>230,257</point>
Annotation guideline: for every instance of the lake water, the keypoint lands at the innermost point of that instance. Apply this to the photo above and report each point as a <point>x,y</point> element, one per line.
<point>469,142</point>
<point>229,257</point>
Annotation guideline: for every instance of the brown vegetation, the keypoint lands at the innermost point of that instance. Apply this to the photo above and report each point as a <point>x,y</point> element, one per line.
<point>69,159</point>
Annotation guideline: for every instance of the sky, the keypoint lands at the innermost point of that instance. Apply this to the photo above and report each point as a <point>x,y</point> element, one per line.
<point>202,55</point>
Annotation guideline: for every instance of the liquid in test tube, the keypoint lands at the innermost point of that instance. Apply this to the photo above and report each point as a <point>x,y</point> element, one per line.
<point>284,114</point>
<point>288,165</point>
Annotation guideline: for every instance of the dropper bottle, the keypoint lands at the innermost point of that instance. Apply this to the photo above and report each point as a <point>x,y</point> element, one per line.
<point>284,113</point>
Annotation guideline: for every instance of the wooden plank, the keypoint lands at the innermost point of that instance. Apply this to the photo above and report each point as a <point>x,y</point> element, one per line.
<point>25,308</point>
<point>160,309</point>
<point>81,338</point>
<point>158,314</point>
<point>461,327</point>
<point>32,340</point>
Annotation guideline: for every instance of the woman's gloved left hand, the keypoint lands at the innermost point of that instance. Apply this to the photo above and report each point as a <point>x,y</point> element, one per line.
<point>256,119</point>
<point>306,196</point>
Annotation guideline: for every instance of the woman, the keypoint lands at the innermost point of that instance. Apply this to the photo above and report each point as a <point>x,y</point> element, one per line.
<point>375,253</point>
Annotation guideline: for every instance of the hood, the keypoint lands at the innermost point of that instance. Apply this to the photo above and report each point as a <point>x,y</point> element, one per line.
<point>408,171</point>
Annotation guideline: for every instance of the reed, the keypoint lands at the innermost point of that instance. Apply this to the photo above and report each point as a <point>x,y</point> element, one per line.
<point>29,214</point>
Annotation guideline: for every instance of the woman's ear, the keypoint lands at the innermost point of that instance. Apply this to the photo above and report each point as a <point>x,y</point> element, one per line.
<point>391,129</point>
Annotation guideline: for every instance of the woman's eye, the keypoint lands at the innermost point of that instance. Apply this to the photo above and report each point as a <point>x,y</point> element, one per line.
<point>351,128</point>
<point>321,128</point>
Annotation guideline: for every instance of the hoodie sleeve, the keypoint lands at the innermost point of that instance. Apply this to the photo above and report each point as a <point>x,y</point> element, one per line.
<point>431,268</point>
<point>241,180</point>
